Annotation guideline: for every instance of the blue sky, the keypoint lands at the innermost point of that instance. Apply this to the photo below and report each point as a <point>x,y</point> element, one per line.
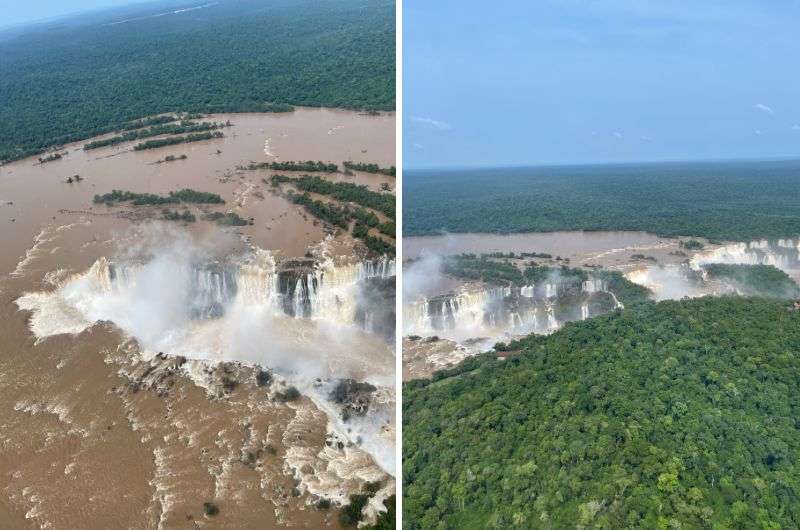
<point>571,81</point>
<point>17,12</point>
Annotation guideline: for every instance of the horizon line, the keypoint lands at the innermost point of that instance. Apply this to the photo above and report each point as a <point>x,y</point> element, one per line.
<point>782,158</point>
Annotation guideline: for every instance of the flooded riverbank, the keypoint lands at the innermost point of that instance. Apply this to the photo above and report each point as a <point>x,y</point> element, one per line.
<point>609,248</point>
<point>120,353</point>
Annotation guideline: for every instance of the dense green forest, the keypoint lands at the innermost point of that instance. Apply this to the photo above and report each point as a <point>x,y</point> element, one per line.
<point>761,280</point>
<point>680,414</point>
<point>78,77</point>
<point>739,201</point>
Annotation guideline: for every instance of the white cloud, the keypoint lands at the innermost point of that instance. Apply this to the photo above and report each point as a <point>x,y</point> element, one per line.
<point>617,134</point>
<point>758,132</point>
<point>436,124</point>
<point>796,127</point>
<point>764,108</point>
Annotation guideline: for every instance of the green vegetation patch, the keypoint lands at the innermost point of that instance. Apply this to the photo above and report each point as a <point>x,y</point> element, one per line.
<point>309,166</point>
<point>680,414</point>
<point>370,168</point>
<point>183,127</point>
<point>174,140</point>
<point>341,216</point>
<point>761,280</point>
<point>174,197</point>
<point>343,191</point>
<point>172,215</point>
<point>227,219</point>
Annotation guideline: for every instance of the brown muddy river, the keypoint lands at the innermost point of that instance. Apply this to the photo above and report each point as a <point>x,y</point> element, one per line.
<point>607,248</point>
<point>98,433</point>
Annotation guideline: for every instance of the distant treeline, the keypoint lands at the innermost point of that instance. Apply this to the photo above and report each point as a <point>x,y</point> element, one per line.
<point>174,197</point>
<point>370,168</point>
<point>309,166</point>
<point>739,201</point>
<point>344,191</point>
<point>158,130</point>
<point>153,144</point>
<point>306,53</point>
<point>249,106</point>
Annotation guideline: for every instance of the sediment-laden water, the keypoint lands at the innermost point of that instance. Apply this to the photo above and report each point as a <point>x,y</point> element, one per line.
<point>148,367</point>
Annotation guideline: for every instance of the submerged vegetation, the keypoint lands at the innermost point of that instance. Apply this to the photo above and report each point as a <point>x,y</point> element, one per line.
<point>332,54</point>
<point>671,415</point>
<point>183,127</point>
<point>341,216</point>
<point>740,201</point>
<point>172,158</point>
<point>174,197</point>
<point>173,215</point>
<point>309,166</point>
<point>173,140</point>
<point>370,168</point>
<point>227,219</point>
<point>343,191</point>
<point>351,515</point>
<point>50,158</point>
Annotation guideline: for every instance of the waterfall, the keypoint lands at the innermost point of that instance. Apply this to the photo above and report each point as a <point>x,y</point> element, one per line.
<point>782,253</point>
<point>475,311</point>
<point>594,285</point>
<point>301,289</point>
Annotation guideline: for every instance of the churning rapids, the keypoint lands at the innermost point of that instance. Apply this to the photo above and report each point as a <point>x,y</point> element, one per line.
<point>314,321</point>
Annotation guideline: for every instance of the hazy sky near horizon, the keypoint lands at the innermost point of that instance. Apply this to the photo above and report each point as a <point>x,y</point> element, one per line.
<point>16,12</point>
<point>580,81</point>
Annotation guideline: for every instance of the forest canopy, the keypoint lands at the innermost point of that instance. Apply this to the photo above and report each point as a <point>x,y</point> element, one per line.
<point>739,201</point>
<point>679,414</point>
<point>82,76</point>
